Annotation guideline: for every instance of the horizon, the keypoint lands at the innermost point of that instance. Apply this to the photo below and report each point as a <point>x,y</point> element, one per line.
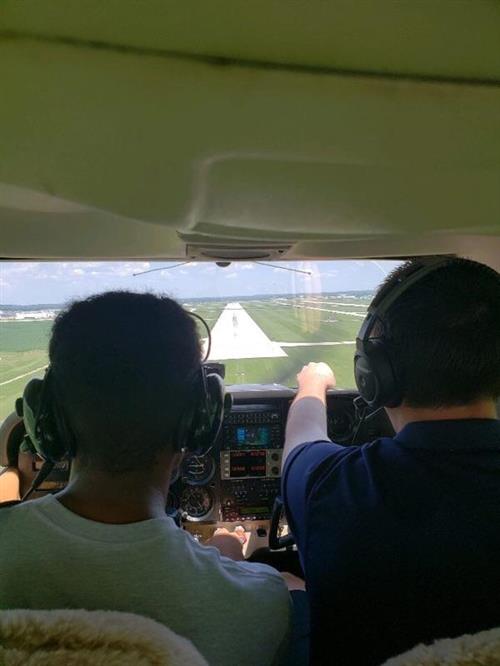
<point>54,283</point>
<point>241,297</point>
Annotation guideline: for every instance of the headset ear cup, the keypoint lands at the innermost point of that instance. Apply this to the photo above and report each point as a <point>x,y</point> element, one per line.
<point>375,374</point>
<point>32,403</point>
<point>40,421</point>
<point>210,414</point>
<point>366,379</point>
<point>218,404</point>
<point>200,423</point>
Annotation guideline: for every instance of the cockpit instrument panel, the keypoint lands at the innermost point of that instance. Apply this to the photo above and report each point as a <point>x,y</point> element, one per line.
<point>239,479</point>
<point>198,470</point>
<point>196,502</point>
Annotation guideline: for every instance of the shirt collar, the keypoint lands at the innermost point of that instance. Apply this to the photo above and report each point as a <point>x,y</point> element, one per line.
<point>451,435</point>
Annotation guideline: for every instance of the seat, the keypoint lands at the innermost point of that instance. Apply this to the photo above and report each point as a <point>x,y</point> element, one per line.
<point>90,638</point>
<point>481,649</point>
<point>16,465</point>
<point>11,433</point>
<point>10,485</point>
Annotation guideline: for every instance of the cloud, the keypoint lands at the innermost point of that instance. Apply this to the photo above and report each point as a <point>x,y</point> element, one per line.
<point>126,269</point>
<point>19,267</point>
<point>31,282</point>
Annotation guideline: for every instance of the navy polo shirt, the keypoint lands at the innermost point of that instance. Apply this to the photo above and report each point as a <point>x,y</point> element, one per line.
<point>399,538</point>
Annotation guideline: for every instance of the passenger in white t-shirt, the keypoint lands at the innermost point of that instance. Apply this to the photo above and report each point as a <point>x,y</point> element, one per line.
<point>121,369</point>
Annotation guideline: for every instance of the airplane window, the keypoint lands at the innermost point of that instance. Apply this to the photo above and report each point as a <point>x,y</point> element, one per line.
<point>266,319</point>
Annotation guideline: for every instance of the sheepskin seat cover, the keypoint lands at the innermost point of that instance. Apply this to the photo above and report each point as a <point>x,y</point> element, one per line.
<point>481,649</point>
<point>90,638</point>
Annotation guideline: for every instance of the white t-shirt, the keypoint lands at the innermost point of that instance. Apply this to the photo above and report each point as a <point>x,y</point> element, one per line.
<point>234,613</point>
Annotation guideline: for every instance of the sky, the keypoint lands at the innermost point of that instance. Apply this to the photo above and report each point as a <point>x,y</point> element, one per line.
<point>35,283</point>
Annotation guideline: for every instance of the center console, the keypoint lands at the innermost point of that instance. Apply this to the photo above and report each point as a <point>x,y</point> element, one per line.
<point>250,462</point>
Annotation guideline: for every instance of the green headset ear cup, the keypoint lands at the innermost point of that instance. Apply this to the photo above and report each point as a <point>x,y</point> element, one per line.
<point>32,401</point>
<point>40,421</point>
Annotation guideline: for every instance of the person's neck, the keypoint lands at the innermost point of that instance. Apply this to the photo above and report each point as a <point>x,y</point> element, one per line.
<point>118,499</point>
<point>404,414</point>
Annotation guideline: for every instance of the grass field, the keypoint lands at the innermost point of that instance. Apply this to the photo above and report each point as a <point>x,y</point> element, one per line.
<point>23,354</point>
<point>289,320</point>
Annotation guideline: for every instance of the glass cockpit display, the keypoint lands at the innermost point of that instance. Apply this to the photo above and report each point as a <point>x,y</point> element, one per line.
<point>253,435</point>
<point>247,464</point>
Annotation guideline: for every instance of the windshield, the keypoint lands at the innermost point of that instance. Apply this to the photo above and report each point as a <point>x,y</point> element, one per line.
<point>267,320</point>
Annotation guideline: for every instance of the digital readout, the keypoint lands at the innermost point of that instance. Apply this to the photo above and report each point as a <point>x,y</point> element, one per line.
<point>247,463</point>
<point>253,510</point>
<point>253,435</point>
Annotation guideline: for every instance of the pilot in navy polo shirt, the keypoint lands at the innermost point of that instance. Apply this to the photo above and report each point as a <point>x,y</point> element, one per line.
<point>399,538</point>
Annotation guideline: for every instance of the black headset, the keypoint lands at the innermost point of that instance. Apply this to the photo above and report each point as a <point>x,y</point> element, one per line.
<point>49,436</point>
<point>376,378</point>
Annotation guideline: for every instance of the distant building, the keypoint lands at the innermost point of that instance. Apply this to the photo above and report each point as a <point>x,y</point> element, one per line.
<point>27,315</point>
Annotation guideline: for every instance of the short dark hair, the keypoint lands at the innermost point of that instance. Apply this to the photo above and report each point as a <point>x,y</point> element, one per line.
<point>443,334</point>
<point>120,365</point>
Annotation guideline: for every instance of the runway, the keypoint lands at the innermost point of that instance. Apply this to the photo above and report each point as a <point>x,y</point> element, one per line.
<point>316,344</point>
<point>236,335</point>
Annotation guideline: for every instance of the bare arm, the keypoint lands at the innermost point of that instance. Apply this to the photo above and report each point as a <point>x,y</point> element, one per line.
<point>307,416</point>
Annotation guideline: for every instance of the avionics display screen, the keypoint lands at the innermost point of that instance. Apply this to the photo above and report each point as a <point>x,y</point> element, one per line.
<point>247,463</point>
<point>253,435</point>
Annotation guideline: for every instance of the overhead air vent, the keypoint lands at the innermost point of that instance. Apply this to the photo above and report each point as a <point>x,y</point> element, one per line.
<point>235,253</point>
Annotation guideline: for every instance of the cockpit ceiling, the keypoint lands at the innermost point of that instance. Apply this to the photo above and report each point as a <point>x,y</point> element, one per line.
<point>160,129</point>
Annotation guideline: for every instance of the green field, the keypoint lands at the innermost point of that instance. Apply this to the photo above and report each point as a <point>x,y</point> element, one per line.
<point>23,351</point>
<point>312,320</point>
